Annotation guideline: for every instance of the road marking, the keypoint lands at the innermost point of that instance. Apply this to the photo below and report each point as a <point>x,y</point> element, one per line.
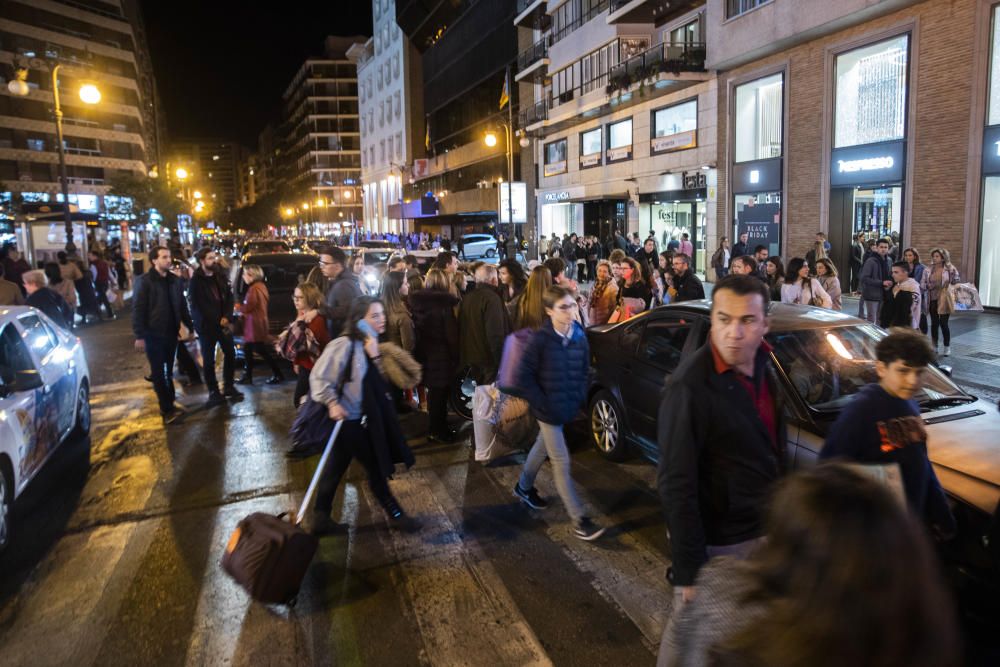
<point>460,603</point>
<point>631,578</point>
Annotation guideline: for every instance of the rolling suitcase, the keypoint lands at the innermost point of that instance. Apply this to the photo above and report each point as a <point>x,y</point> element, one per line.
<point>268,555</point>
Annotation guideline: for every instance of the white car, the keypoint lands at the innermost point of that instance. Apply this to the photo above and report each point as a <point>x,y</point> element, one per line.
<point>478,245</point>
<point>44,397</point>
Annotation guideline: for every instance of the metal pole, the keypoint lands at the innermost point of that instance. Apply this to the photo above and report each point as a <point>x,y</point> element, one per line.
<point>64,179</point>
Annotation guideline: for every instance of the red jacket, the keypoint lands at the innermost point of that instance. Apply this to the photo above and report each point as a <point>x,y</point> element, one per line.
<point>318,327</point>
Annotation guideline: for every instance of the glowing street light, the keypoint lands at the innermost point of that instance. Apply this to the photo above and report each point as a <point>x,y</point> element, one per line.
<point>348,194</point>
<point>197,194</point>
<point>90,94</point>
<point>305,205</point>
<point>181,173</point>
<point>289,211</point>
<point>490,139</point>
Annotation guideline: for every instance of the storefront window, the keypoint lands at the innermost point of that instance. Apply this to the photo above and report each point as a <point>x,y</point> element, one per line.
<point>561,219</point>
<point>555,158</point>
<point>675,128</point>
<point>989,254</point>
<point>871,93</point>
<point>994,110</point>
<point>759,216</point>
<point>671,220</point>
<point>758,119</point>
<point>620,140</point>
<point>590,148</point>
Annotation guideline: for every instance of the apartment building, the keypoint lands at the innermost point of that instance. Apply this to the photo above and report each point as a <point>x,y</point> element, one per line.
<point>217,167</point>
<point>94,41</point>
<point>861,117</point>
<point>391,110</point>
<point>624,126</point>
<point>318,165</point>
<point>466,50</point>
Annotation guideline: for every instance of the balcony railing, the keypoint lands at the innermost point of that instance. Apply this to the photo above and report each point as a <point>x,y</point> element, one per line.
<point>565,30</point>
<point>661,59</point>
<point>533,53</point>
<point>533,114</point>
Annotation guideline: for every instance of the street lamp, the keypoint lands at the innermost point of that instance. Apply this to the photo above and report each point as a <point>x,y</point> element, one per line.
<point>181,173</point>
<point>491,140</point>
<point>89,94</point>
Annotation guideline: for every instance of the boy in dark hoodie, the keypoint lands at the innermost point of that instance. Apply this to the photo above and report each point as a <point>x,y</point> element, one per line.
<point>883,425</point>
<point>901,307</point>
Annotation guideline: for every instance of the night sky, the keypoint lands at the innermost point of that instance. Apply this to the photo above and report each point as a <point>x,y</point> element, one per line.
<point>221,66</point>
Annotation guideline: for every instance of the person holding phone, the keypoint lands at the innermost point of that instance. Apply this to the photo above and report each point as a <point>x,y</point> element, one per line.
<point>347,378</point>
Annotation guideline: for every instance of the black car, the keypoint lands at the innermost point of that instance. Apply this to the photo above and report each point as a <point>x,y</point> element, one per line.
<point>823,358</point>
<point>260,247</point>
<point>283,271</point>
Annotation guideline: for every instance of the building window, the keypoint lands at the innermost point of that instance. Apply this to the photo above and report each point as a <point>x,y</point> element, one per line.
<point>758,119</point>
<point>395,66</point>
<point>555,158</point>
<point>399,104</point>
<point>591,148</point>
<point>685,35</point>
<point>871,93</point>
<point>620,141</point>
<point>36,144</point>
<point>674,128</point>
<point>399,145</point>
<point>737,7</point>
<point>381,151</point>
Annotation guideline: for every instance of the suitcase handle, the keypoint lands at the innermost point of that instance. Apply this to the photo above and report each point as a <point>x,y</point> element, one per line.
<point>311,491</point>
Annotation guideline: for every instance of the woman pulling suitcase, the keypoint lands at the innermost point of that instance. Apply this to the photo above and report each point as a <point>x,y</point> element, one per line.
<point>347,378</point>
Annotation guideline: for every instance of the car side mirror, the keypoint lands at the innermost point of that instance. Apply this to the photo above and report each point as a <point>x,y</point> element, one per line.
<point>945,369</point>
<point>28,380</point>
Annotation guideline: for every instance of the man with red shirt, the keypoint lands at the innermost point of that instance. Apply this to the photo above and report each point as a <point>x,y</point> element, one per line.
<point>721,435</point>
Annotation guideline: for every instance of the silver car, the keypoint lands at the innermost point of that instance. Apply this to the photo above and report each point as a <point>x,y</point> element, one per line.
<point>475,246</point>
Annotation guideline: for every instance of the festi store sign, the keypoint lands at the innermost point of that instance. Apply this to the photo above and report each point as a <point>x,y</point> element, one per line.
<point>870,164</point>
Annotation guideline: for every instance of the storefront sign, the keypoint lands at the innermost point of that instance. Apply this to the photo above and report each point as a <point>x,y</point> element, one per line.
<point>757,176</point>
<point>674,142</point>
<point>761,222</point>
<point>695,180</point>
<point>554,168</point>
<point>551,197</point>
<point>868,164</point>
<point>620,153</point>
<point>591,160</point>
<point>519,206</point>
<point>991,151</point>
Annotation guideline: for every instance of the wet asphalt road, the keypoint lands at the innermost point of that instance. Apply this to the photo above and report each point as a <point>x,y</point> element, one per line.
<point>116,555</point>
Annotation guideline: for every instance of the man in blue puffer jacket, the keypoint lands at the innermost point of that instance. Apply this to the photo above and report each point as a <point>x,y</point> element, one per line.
<point>552,377</point>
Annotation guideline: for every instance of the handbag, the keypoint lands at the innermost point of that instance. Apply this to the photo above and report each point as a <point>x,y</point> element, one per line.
<point>965,297</point>
<point>510,359</point>
<point>946,301</point>
<point>297,339</point>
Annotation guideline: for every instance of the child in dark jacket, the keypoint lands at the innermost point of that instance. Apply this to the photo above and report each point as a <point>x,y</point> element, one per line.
<point>552,377</point>
<point>883,425</point>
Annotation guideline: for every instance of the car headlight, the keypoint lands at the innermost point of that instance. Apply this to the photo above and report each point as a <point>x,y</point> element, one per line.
<point>371,278</point>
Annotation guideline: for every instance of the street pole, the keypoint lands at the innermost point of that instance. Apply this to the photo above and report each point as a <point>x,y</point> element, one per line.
<point>63,177</point>
<point>510,165</point>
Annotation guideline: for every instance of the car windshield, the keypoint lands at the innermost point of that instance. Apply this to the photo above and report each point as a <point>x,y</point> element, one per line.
<point>827,366</point>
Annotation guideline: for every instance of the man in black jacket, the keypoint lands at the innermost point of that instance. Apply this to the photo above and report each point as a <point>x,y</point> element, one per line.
<point>483,325</point>
<point>721,435</point>
<point>686,283</point>
<point>158,311</point>
<point>343,289</point>
<point>212,310</point>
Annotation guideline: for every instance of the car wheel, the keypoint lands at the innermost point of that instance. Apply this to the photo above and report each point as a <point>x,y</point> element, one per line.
<point>606,426</point>
<point>491,252</point>
<point>462,391</point>
<point>6,504</point>
<point>81,427</point>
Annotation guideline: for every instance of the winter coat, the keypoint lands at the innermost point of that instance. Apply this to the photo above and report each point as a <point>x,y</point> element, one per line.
<point>211,299</point>
<point>399,328</point>
<point>603,304</point>
<point>553,375</point>
<point>875,271</point>
<point>159,307</point>
<point>917,273</point>
<point>339,297</point>
<point>718,461</point>
<point>67,290</point>
<point>831,285</point>
<point>901,307</point>
<point>640,291</point>
<point>329,382</point>
<point>437,335</point>
<point>688,287</point>
<point>946,277</point>
<point>255,322</point>
<point>10,294</point>
<point>803,294</point>
<point>49,302</point>
<point>483,325</point>
<point>398,367</point>
<point>70,273</point>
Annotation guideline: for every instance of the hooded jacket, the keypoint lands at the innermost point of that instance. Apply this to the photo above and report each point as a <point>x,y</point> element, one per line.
<point>901,307</point>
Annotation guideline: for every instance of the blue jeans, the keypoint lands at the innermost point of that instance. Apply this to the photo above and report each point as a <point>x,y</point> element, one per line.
<point>552,443</point>
<point>160,352</point>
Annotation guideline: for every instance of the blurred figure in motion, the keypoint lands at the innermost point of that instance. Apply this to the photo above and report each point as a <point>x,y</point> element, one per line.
<point>845,577</point>
<point>256,325</point>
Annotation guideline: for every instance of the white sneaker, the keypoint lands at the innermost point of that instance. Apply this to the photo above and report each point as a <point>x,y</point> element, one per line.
<point>947,350</point>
